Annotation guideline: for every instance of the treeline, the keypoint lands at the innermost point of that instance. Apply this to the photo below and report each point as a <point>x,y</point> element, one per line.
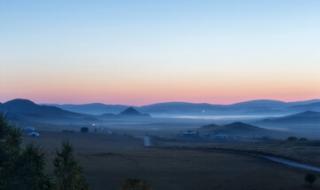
<point>23,168</point>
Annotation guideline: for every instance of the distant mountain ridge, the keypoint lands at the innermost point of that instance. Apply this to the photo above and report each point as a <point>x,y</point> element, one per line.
<point>132,112</point>
<point>127,113</point>
<point>25,110</point>
<point>237,129</point>
<point>24,106</point>
<point>92,108</point>
<point>247,107</point>
<point>307,122</point>
<point>304,117</point>
<point>238,126</point>
<point>315,106</point>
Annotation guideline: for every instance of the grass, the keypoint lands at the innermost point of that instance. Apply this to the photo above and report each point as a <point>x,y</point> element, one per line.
<point>109,160</point>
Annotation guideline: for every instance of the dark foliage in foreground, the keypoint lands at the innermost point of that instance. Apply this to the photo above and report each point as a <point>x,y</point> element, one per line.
<point>310,179</point>
<point>67,171</point>
<point>135,184</point>
<point>24,168</point>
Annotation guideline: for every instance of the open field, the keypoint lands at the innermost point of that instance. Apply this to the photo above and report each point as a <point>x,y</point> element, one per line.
<point>108,160</point>
<point>304,151</point>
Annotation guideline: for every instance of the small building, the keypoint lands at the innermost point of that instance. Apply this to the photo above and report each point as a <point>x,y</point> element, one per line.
<point>84,130</point>
<point>109,132</point>
<point>29,129</point>
<point>190,133</point>
<point>147,141</point>
<point>34,134</point>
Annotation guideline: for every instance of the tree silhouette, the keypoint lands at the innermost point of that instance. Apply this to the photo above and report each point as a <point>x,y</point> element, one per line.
<point>67,171</point>
<point>135,184</point>
<point>10,140</point>
<point>23,168</point>
<point>30,170</point>
<point>310,179</point>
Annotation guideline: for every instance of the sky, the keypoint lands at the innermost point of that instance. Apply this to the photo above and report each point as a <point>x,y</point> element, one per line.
<point>144,51</point>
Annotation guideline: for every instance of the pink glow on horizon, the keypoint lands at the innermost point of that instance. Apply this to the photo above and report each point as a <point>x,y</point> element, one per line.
<point>136,101</point>
<point>131,96</point>
<point>189,87</point>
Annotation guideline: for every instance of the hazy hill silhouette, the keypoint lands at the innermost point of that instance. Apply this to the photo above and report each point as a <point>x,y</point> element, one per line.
<point>127,113</point>
<point>304,117</point>
<point>26,110</point>
<point>93,108</point>
<point>247,107</point>
<point>310,107</point>
<point>238,129</point>
<point>132,112</point>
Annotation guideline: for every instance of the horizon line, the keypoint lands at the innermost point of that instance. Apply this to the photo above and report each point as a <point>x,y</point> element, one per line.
<point>160,102</point>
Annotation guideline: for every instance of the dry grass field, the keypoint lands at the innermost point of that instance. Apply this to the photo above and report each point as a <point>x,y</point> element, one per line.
<point>109,160</point>
<point>303,151</point>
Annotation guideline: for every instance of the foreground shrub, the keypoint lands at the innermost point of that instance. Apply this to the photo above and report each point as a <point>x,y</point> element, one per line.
<point>30,170</point>
<point>292,138</point>
<point>310,179</point>
<point>24,168</point>
<point>67,171</point>
<point>135,184</point>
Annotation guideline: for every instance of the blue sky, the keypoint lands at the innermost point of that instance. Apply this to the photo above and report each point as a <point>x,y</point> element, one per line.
<point>146,51</point>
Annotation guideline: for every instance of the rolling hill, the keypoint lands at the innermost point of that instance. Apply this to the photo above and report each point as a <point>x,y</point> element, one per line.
<point>311,107</point>
<point>186,108</point>
<point>132,112</point>
<point>300,118</point>
<point>248,107</point>
<point>237,129</point>
<point>93,108</point>
<point>22,110</point>
<point>307,123</point>
<point>128,113</point>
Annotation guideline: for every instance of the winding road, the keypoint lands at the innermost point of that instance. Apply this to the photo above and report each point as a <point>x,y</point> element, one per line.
<point>261,155</point>
<point>291,163</point>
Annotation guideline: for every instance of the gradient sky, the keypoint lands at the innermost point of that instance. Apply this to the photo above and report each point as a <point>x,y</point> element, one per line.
<point>138,52</point>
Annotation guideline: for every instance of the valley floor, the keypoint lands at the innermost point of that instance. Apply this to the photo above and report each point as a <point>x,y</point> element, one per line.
<point>109,160</point>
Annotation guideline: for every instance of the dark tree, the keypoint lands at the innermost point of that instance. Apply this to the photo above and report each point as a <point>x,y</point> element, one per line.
<point>292,138</point>
<point>20,169</point>
<point>23,168</point>
<point>135,184</point>
<point>310,179</point>
<point>303,139</point>
<point>84,130</point>
<point>10,140</point>
<point>67,171</point>
<point>30,170</point>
